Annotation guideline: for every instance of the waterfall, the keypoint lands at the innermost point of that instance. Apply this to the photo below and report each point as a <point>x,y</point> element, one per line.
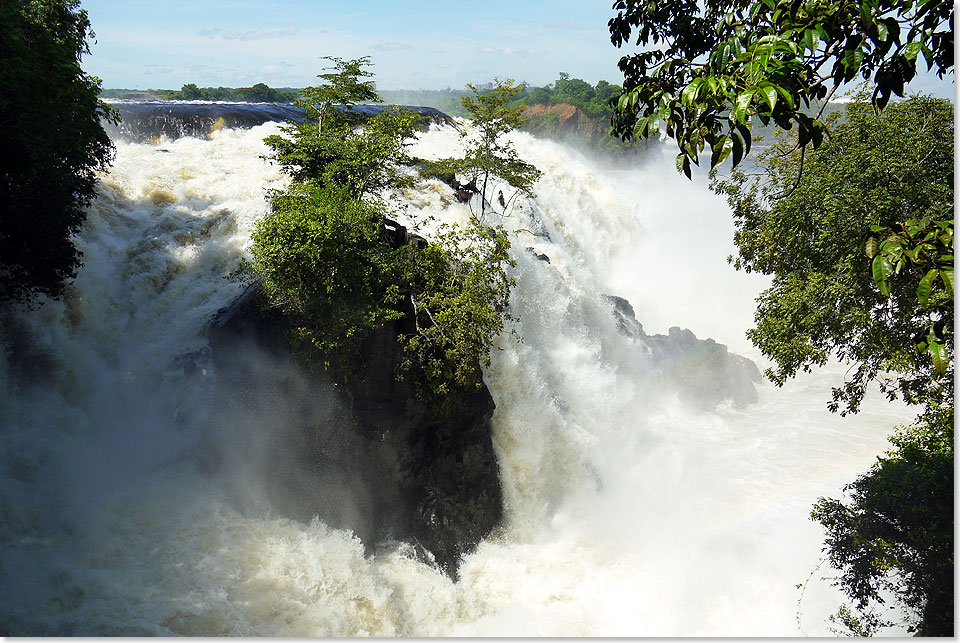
<point>132,502</point>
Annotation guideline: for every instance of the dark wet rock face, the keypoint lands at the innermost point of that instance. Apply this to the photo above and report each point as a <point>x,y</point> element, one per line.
<point>370,457</point>
<point>705,372</point>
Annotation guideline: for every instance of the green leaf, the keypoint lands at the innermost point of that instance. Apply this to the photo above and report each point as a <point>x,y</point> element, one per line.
<point>743,104</point>
<point>737,149</point>
<point>744,131</point>
<point>925,286</point>
<point>721,150</point>
<point>882,268</point>
<point>947,275</point>
<point>770,93</point>
<point>882,32</point>
<point>689,93</point>
<point>871,247</point>
<point>786,96</point>
<point>725,52</point>
<point>938,353</point>
<point>912,50</point>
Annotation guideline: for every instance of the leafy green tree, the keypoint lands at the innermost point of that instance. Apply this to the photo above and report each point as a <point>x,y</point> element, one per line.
<point>460,291</point>
<point>190,91</point>
<point>713,66</point>
<point>490,160</point>
<point>259,93</point>
<point>333,149</point>
<point>343,86</point>
<point>860,247</point>
<point>52,144</point>
<point>323,262</point>
<point>326,259</point>
<point>814,236</point>
<point>895,534</point>
<point>572,90</point>
<point>363,160</point>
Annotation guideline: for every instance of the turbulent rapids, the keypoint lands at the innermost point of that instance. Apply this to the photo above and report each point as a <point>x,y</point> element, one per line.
<point>133,498</point>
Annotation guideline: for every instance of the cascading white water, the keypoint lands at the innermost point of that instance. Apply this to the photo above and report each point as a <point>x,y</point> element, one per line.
<point>627,511</point>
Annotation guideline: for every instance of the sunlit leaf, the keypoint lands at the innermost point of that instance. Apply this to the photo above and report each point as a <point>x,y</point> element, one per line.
<point>925,286</point>
<point>938,353</point>
<point>770,94</point>
<point>947,275</point>
<point>882,268</point>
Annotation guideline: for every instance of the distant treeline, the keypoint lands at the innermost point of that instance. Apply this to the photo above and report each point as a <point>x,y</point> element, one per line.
<point>259,93</point>
<point>592,99</point>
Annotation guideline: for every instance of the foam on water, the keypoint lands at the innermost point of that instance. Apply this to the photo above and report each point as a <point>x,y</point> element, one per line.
<point>627,512</point>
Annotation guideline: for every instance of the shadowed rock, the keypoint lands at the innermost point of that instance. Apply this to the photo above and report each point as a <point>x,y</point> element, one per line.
<point>704,372</point>
<point>399,470</point>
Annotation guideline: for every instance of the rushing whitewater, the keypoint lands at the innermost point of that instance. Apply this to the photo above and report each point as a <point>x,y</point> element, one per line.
<point>628,510</point>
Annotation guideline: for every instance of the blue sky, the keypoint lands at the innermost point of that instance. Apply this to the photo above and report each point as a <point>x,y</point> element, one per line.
<point>413,44</point>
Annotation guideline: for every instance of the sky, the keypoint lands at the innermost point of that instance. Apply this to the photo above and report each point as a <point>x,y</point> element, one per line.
<point>413,44</point>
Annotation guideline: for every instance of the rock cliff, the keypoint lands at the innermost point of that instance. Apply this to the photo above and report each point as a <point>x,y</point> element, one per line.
<point>382,463</point>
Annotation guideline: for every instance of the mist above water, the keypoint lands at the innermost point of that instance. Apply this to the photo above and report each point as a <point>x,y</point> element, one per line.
<point>135,500</point>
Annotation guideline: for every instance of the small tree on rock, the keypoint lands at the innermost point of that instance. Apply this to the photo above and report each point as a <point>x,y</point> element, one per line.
<point>490,161</point>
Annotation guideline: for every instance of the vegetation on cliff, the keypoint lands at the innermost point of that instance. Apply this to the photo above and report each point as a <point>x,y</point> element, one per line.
<point>52,143</point>
<point>490,162</point>
<point>327,256</point>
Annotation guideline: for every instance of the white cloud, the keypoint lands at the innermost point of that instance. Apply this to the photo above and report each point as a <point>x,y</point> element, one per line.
<point>253,34</point>
<point>563,24</point>
<point>508,51</point>
<point>390,46</point>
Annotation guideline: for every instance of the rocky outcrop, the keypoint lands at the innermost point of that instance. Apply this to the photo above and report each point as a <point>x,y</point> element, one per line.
<point>397,468</point>
<point>564,122</point>
<point>704,372</point>
<point>571,125</point>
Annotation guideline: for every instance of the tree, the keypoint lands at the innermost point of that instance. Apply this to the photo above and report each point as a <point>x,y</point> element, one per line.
<point>190,91</point>
<point>490,161</point>
<point>860,247</point>
<point>363,160</point>
<point>343,86</point>
<point>52,144</point>
<point>259,93</point>
<point>814,235</point>
<point>323,262</point>
<point>326,258</point>
<point>330,148</point>
<point>895,533</point>
<point>716,65</point>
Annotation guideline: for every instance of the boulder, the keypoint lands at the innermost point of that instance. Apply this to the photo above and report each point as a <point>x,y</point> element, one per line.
<point>704,372</point>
